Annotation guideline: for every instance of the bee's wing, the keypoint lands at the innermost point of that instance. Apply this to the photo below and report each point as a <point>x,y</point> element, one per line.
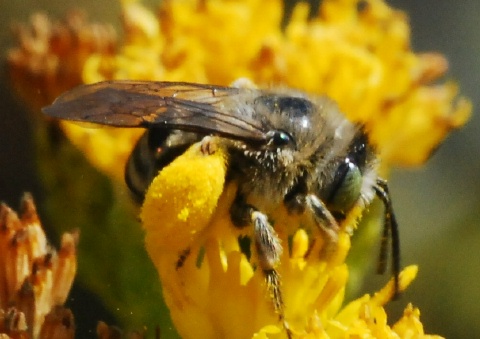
<point>178,105</point>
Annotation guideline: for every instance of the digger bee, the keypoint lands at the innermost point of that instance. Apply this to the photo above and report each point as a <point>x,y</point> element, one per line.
<point>284,147</point>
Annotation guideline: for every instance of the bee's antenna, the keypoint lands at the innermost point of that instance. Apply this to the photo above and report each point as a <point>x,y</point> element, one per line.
<point>390,233</point>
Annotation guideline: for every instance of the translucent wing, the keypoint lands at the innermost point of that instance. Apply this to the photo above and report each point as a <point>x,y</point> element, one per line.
<point>174,105</point>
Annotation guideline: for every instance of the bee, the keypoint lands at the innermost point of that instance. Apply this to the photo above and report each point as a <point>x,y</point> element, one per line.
<point>285,148</point>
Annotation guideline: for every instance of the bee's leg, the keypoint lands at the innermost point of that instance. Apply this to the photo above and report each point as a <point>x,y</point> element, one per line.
<point>390,231</point>
<point>298,202</point>
<point>267,243</point>
<point>325,221</point>
<point>268,247</point>
<point>208,145</point>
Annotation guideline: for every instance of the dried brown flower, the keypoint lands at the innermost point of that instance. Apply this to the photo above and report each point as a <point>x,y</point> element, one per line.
<point>34,279</point>
<point>50,55</point>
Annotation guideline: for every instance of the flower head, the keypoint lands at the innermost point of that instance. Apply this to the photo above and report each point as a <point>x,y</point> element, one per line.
<point>34,279</point>
<point>212,282</point>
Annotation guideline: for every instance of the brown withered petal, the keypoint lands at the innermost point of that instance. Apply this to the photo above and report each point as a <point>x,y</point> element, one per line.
<point>58,324</point>
<point>13,322</point>
<point>34,279</point>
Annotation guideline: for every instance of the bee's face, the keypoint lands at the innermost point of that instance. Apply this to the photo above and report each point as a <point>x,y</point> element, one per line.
<point>284,148</point>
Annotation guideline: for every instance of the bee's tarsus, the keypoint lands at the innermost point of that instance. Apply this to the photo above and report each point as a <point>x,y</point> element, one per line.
<point>326,223</point>
<point>273,280</point>
<point>208,145</point>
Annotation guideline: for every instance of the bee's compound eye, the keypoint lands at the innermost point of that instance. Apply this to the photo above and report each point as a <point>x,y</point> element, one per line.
<point>346,187</point>
<point>279,138</point>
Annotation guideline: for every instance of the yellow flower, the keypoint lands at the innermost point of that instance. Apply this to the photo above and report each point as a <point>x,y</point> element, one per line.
<point>34,279</point>
<point>357,53</point>
<point>212,286</point>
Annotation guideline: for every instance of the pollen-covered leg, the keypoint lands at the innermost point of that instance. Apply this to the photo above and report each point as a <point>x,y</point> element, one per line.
<point>326,223</point>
